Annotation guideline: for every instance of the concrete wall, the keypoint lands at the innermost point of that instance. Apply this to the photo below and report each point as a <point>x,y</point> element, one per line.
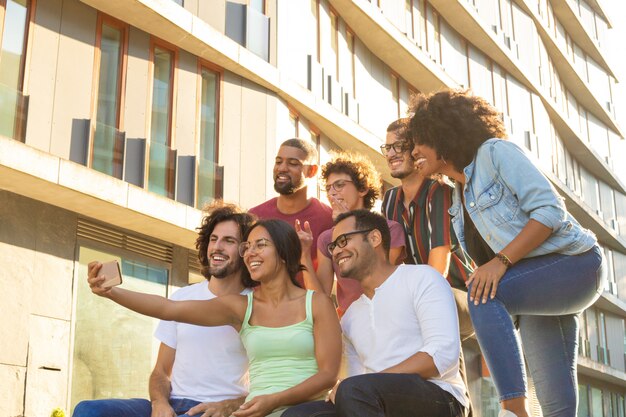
<point>36,253</point>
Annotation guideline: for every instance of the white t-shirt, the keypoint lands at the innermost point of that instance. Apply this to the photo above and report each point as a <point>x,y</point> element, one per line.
<point>412,311</point>
<point>210,363</point>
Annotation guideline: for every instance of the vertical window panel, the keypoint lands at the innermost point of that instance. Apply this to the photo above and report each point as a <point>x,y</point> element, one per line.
<point>162,157</point>
<point>108,142</point>
<point>13,41</point>
<point>208,170</point>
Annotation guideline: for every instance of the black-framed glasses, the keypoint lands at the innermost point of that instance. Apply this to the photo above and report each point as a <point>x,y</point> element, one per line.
<point>398,146</point>
<point>342,240</point>
<point>337,185</point>
<point>257,246</point>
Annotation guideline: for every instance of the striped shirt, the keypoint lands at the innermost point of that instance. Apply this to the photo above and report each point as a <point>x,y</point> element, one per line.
<point>427,226</point>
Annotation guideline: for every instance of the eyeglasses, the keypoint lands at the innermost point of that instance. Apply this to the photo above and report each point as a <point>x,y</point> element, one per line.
<point>257,246</point>
<point>399,147</point>
<point>337,185</point>
<point>342,240</point>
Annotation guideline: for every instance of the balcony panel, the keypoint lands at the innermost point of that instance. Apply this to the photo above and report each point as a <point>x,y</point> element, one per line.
<point>13,113</point>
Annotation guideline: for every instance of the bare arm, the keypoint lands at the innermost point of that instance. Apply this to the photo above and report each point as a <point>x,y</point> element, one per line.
<point>327,337</point>
<point>439,258</point>
<point>159,384</point>
<point>220,311</point>
<point>485,278</point>
<point>420,363</point>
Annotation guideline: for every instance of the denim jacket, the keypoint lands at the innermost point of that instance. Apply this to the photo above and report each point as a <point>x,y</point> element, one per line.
<point>503,191</point>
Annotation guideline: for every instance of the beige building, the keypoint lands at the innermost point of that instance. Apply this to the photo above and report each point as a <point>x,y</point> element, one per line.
<point>120,118</point>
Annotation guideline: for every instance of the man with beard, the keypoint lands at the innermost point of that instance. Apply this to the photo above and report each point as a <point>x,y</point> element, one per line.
<point>296,161</point>
<point>199,370</point>
<point>401,336</point>
<point>421,206</point>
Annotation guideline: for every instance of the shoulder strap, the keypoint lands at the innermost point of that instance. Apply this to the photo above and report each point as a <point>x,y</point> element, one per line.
<point>309,305</point>
<point>246,319</point>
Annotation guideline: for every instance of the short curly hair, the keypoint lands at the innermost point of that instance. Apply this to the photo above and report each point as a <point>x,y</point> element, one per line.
<point>217,212</point>
<point>454,123</point>
<point>361,170</point>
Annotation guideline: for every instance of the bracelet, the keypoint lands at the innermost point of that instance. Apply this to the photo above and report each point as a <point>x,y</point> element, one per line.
<point>504,259</point>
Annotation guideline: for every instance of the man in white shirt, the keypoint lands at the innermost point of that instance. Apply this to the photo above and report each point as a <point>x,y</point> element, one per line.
<point>199,371</point>
<point>401,337</point>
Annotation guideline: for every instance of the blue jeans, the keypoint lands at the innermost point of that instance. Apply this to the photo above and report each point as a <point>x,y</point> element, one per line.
<point>134,407</point>
<point>545,294</point>
<point>383,395</point>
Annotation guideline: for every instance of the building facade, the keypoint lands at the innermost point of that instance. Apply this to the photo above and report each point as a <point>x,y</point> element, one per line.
<point>119,119</point>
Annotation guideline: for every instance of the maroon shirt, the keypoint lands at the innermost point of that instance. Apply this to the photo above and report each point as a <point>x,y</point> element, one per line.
<point>318,214</point>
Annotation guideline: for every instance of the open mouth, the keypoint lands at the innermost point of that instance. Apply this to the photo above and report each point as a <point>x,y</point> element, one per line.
<point>282,178</point>
<point>254,264</point>
<point>217,259</point>
<point>419,162</point>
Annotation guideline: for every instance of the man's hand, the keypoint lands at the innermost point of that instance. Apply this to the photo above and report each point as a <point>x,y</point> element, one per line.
<point>217,409</point>
<point>305,235</point>
<point>95,281</point>
<point>162,409</point>
<point>257,407</point>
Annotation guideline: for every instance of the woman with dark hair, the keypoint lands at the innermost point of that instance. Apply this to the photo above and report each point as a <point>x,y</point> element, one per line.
<point>352,182</point>
<point>535,262</point>
<point>291,335</point>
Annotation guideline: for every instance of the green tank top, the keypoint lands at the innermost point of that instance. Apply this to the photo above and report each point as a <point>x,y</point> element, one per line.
<point>280,357</point>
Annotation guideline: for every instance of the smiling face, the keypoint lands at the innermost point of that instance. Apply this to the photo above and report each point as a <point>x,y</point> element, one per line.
<point>222,254</point>
<point>400,164</point>
<point>290,170</point>
<point>355,258</point>
<point>428,161</point>
<point>261,258</point>
<point>342,193</point>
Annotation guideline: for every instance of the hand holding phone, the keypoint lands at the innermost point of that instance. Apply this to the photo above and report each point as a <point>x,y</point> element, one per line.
<point>112,274</point>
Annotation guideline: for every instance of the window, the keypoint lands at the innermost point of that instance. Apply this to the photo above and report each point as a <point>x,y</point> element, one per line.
<point>334,43</point>
<point>108,140</point>
<point>583,400</point>
<point>113,347</point>
<point>603,352</point>
<point>294,121</point>
<point>162,157</point>
<point>208,178</point>
<point>15,16</point>
<point>395,95</point>
<point>350,38</point>
<point>597,410</point>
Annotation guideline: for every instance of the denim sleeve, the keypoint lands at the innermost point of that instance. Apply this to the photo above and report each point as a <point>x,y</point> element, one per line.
<point>533,190</point>
<point>436,312</point>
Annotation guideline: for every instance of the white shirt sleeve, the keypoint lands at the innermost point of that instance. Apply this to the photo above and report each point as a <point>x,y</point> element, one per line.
<point>354,365</point>
<point>436,311</point>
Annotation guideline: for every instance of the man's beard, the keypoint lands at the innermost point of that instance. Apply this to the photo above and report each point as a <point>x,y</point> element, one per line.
<point>224,271</point>
<point>287,188</point>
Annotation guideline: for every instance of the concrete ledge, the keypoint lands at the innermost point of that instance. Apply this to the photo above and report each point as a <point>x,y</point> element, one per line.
<point>601,372</point>
<point>35,174</point>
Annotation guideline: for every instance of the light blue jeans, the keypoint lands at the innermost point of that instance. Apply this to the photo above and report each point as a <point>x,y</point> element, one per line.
<point>545,294</point>
<point>134,407</point>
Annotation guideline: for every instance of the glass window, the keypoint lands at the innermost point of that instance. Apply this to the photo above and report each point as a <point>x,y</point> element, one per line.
<point>113,347</point>
<point>395,95</point>
<point>583,401</point>
<point>596,403</point>
<point>209,116</point>
<point>351,83</point>
<point>334,44</point>
<point>162,157</point>
<point>13,105</point>
<point>108,142</point>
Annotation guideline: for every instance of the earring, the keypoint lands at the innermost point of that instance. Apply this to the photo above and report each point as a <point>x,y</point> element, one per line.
<point>444,160</point>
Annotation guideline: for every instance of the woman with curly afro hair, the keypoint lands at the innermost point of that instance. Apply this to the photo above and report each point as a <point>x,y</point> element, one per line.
<point>535,262</point>
<point>352,182</point>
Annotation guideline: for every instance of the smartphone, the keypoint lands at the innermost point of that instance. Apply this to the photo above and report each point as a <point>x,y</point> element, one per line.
<point>112,273</point>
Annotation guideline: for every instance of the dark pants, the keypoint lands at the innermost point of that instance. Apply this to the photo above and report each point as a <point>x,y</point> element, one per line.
<point>383,395</point>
